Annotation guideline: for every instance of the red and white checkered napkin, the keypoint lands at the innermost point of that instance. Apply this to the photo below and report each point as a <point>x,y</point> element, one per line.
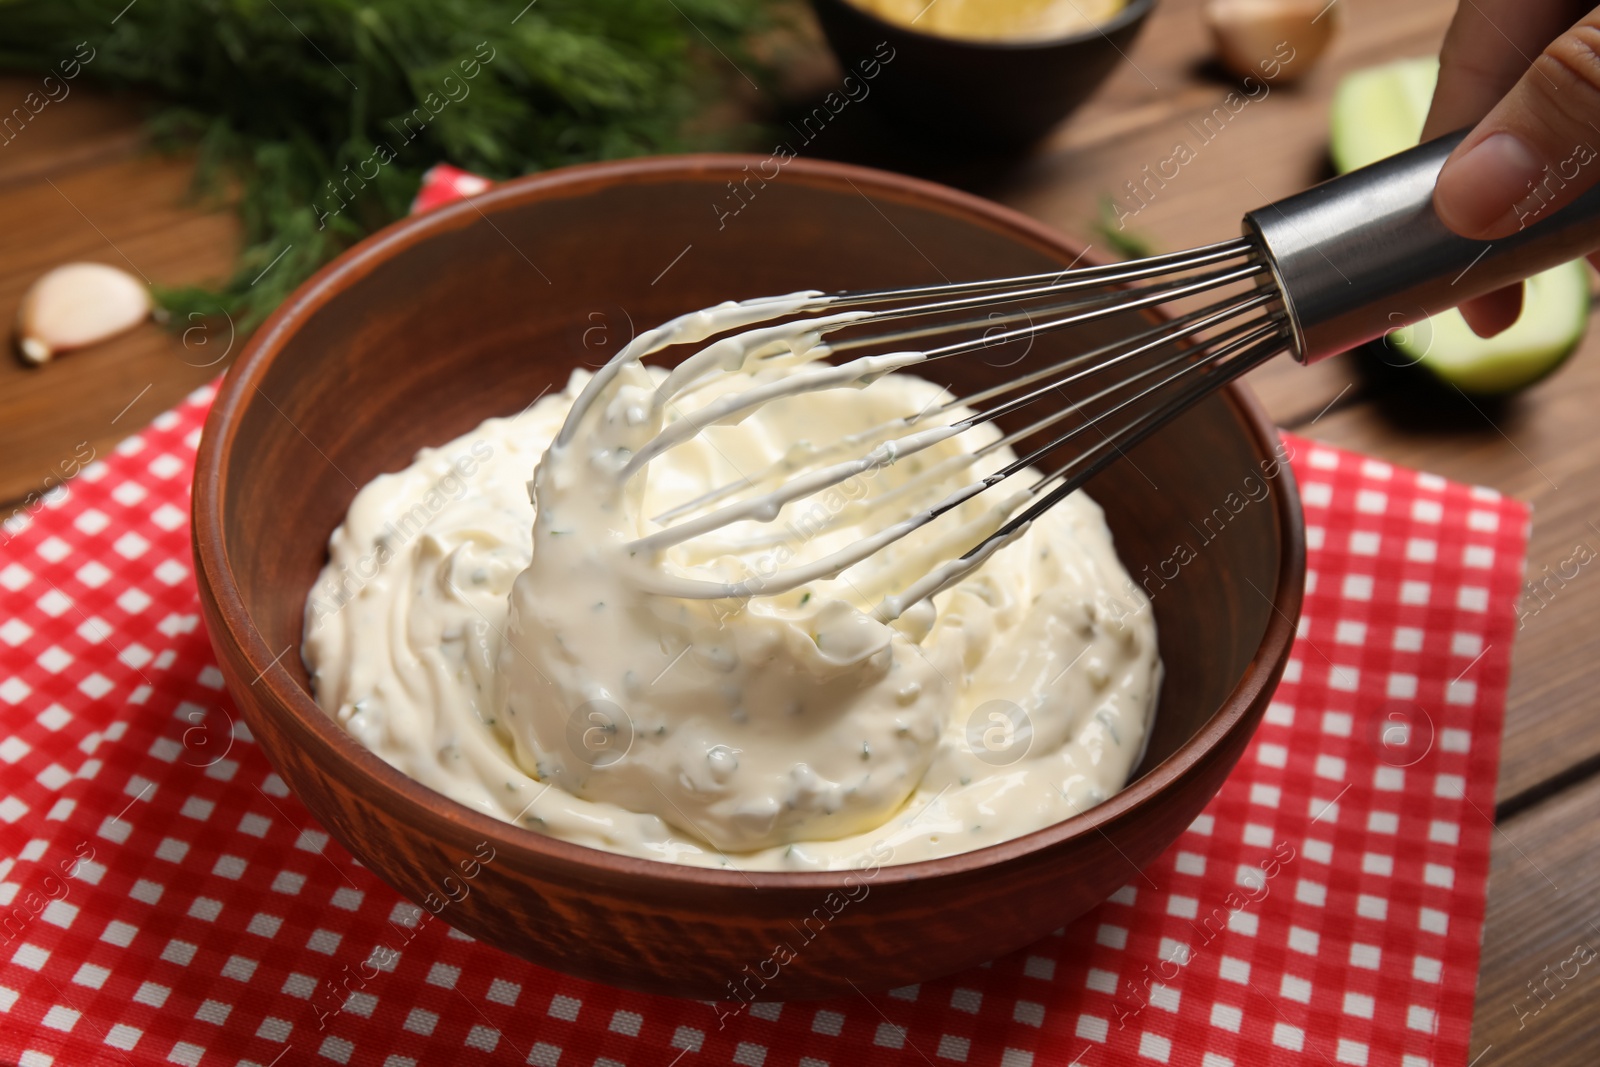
<point>443,184</point>
<point>166,901</point>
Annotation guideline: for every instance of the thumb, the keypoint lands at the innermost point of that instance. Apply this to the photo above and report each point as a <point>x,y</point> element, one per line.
<point>1536,151</point>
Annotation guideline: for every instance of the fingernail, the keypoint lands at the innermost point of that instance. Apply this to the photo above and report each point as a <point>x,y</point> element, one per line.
<point>1477,194</point>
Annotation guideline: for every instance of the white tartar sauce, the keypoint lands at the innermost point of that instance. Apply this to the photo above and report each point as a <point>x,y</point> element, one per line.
<point>579,683</point>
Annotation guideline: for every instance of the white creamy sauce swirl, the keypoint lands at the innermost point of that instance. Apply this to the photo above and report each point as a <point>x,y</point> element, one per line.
<point>562,685</point>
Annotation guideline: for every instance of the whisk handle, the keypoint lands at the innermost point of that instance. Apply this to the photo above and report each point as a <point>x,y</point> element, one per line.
<point>1364,253</point>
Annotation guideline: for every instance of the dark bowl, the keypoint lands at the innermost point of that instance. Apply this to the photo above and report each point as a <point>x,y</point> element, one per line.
<point>418,333</point>
<point>1002,94</point>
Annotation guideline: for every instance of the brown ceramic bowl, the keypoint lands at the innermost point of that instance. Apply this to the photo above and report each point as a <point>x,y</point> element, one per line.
<point>425,329</point>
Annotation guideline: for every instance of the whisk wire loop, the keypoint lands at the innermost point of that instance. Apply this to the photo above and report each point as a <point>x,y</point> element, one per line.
<point>1094,404</point>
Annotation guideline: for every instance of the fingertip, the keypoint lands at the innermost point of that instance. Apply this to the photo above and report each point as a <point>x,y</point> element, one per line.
<point>1478,191</point>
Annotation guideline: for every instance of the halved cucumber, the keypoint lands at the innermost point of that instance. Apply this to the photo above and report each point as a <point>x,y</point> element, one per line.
<point>1555,310</point>
<point>1379,111</point>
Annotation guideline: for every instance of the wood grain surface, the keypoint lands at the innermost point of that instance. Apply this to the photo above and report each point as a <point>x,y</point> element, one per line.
<point>1541,447</point>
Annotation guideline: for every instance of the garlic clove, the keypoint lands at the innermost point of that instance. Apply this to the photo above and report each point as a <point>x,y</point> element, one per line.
<point>78,304</point>
<point>1277,41</point>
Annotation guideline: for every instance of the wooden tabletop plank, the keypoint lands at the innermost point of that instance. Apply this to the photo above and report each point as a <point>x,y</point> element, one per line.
<point>1544,903</point>
<point>80,128</point>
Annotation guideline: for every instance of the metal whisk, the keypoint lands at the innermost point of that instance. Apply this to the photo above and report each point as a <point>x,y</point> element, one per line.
<point>1314,275</point>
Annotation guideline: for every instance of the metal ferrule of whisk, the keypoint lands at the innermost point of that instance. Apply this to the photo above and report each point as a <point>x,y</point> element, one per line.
<point>1315,274</point>
<point>1364,254</point>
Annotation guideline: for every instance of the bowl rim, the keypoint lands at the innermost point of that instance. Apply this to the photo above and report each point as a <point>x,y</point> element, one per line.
<point>422,807</point>
<point>1130,13</point>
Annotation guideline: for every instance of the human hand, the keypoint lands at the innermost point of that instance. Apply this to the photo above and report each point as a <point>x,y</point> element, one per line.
<point>1527,72</point>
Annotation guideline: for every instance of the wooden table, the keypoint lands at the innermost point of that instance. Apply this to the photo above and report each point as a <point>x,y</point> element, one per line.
<point>80,183</point>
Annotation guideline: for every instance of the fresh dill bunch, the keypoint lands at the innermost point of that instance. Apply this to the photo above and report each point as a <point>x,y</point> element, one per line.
<point>326,112</point>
